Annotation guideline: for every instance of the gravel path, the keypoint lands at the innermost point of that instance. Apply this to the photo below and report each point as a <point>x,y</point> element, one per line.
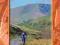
<point>16,41</point>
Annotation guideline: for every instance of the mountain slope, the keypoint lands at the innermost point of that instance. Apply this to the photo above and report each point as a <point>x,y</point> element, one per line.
<point>30,11</point>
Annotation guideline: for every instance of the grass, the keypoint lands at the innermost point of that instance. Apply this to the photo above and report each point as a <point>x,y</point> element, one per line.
<point>32,39</point>
<point>27,29</point>
<point>39,42</point>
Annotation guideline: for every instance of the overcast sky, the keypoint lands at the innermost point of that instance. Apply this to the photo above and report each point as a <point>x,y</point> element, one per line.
<point>17,3</point>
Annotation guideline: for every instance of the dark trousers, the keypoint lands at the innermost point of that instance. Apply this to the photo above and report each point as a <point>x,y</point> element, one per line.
<point>23,40</point>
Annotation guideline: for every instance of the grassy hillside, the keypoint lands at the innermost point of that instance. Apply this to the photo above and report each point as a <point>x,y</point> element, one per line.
<point>40,23</point>
<point>38,30</point>
<point>39,26</point>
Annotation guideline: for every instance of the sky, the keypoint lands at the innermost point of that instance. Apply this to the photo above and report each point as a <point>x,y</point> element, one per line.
<point>18,3</point>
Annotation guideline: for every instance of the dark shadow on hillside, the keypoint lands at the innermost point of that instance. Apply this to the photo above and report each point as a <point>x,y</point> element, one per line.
<point>15,30</point>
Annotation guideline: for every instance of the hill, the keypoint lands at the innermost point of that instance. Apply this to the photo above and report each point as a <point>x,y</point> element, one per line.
<point>39,28</point>
<point>27,12</point>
